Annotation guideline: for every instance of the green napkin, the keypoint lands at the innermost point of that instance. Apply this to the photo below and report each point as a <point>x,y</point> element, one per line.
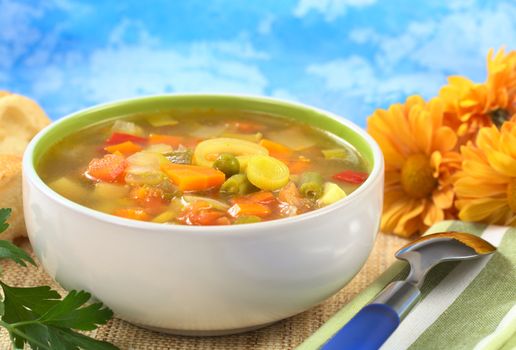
<point>465,305</point>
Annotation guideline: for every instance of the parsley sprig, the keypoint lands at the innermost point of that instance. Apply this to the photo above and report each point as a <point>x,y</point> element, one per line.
<point>39,317</point>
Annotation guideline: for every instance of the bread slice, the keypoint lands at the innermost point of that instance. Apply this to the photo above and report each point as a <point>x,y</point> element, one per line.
<point>11,195</point>
<point>20,119</point>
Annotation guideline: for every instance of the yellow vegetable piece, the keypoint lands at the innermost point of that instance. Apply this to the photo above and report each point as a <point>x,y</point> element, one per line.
<point>294,138</point>
<point>206,152</point>
<point>267,173</point>
<point>105,190</point>
<point>332,193</point>
<point>166,216</point>
<point>161,119</point>
<point>171,213</point>
<point>70,189</point>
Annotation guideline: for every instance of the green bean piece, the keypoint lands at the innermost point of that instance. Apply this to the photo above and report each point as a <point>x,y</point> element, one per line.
<point>237,184</point>
<point>247,219</point>
<point>228,164</point>
<point>311,185</point>
<point>335,153</point>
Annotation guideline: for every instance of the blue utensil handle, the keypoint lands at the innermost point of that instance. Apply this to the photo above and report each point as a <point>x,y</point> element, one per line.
<point>367,330</point>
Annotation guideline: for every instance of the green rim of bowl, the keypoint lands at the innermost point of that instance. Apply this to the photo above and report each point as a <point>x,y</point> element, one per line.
<point>90,116</point>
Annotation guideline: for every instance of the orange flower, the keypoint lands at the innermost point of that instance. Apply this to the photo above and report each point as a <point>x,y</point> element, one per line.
<point>486,186</point>
<point>419,163</point>
<point>470,106</point>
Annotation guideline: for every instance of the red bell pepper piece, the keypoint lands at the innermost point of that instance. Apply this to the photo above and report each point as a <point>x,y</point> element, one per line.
<point>351,176</point>
<point>118,137</point>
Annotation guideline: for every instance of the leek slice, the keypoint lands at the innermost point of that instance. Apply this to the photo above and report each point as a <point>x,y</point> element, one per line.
<point>207,151</point>
<point>267,173</point>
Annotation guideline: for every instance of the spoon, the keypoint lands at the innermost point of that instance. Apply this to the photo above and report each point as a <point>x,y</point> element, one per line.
<point>375,322</point>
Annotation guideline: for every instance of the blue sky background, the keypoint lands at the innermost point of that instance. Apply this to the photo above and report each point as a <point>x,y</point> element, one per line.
<point>346,56</point>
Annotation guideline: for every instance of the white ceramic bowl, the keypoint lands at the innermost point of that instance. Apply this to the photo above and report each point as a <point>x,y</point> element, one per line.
<point>203,280</point>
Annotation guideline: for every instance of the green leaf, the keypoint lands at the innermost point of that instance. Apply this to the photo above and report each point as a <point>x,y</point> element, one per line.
<point>67,339</point>
<point>15,253</point>
<point>4,214</point>
<point>9,250</point>
<point>38,317</point>
<point>36,299</point>
<point>69,314</point>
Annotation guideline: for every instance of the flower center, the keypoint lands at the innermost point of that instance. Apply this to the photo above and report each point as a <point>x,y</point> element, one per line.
<point>499,116</point>
<point>416,176</point>
<point>511,194</point>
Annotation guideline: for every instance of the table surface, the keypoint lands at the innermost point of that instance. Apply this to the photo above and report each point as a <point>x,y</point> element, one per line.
<point>286,334</point>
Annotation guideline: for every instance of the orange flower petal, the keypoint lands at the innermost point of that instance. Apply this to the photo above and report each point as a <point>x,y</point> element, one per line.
<point>403,228</point>
<point>421,126</point>
<point>479,209</point>
<point>443,198</point>
<point>444,139</point>
<point>394,213</point>
<point>478,188</point>
<point>482,171</point>
<point>502,163</point>
<point>432,214</point>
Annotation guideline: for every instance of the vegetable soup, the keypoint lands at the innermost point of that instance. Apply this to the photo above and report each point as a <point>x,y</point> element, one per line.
<point>210,167</point>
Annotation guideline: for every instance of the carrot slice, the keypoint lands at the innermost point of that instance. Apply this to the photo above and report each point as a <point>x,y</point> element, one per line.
<point>126,148</point>
<point>258,204</point>
<point>297,166</point>
<point>249,208</point>
<point>193,177</point>
<point>132,213</point>
<point>275,149</point>
<point>110,168</point>
<point>171,140</point>
<point>262,197</point>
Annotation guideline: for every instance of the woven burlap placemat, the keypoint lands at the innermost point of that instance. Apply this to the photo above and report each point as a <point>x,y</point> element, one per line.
<point>286,334</point>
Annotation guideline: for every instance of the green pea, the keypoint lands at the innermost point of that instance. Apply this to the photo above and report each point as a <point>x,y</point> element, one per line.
<point>247,219</point>
<point>311,185</point>
<point>237,184</point>
<point>228,164</point>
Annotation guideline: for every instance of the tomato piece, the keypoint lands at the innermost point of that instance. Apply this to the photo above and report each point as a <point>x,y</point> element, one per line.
<point>109,168</point>
<point>200,214</point>
<point>151,199</point>
<point>118,137</point>
<point>351,176</point>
